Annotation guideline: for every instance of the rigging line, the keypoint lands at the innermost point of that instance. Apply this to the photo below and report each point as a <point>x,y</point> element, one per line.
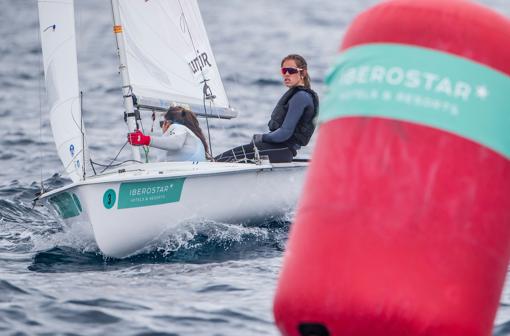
<point>92,166</point>
<point>72,160</point>
<point>114,165</point>
<point>72,100</point>
<point>78,39</point>
<point>41,71</point>
<point>115,158</point>
<point>171,17</point>
<point>212,109</point>
<point>63,169</point>
<point>145,148</point>
<point>245,157</point>
<point>189,33</point>
<point>204,90</point>
<point>204,98</point>
<point>192,41</point>
<point>156,31</point>
<point>82,134</point>
<point>208,130</point>
<point>107,166</point>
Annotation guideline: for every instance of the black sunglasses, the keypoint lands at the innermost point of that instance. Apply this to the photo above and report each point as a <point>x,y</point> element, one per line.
<point>161,123</point>
<point>290,71</point>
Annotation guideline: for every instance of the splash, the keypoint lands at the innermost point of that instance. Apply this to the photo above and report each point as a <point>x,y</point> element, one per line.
<point>209,241</point>
<point>36,230</point>
<point>78,236</point>
<point>193,235</point>
<point>28,227</point>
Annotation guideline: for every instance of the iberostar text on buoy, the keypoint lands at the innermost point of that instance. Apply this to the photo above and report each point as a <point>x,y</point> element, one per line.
<point>403,227</point>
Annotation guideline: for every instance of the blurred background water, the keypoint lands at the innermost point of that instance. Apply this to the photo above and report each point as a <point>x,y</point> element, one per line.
<point>206,279</point>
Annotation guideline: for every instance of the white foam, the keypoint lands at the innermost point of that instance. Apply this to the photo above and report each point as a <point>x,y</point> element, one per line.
<point>184,236</point>
<point>78,236</point>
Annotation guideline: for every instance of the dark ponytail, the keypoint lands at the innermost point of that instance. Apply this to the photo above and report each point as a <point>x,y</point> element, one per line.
<point>187,118</point>
<point>301,63</point>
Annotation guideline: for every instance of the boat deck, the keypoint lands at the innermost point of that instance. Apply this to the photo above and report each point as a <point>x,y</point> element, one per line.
<point>158,170</point>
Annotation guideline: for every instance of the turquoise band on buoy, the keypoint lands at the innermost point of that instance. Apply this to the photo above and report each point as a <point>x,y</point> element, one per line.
<point>422,86</point>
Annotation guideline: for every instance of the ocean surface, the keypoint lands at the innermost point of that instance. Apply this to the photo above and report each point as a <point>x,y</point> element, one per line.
<point>206,279</point>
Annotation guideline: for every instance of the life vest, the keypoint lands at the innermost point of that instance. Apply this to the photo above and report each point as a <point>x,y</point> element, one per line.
<point>306,125</point>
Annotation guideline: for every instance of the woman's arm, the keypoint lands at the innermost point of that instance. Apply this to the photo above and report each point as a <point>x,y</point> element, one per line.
<point>173,139</point>
<point>297,105</point>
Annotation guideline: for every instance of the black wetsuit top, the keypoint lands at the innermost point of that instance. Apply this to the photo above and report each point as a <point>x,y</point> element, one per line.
<point>297,106</point>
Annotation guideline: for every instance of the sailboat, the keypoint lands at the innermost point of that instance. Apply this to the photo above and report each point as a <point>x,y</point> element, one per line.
<point>165,59</point>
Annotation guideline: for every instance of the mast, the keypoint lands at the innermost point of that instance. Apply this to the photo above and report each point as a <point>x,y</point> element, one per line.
<point>126,84</point>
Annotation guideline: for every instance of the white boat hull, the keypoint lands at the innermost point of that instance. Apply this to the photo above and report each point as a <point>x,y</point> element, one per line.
<point>130,209</point>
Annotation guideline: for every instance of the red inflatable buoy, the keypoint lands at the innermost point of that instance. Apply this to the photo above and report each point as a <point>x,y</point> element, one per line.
<point>404,224</point>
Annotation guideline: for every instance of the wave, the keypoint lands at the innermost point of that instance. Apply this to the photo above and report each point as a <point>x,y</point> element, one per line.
<point>267,82</point>
<point>502,329</point>
<point>8,290</point>
<point>59,247</point>
<point>195,243</point>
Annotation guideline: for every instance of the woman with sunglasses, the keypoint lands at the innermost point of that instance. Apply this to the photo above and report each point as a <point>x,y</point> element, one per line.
<point>292,121</point>
<point>182,137</point>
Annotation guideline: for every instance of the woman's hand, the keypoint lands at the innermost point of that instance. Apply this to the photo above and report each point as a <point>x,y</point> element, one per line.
<point>137,138</point>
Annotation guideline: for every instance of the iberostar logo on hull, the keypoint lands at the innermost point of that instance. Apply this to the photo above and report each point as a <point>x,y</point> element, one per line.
<point>422,86</point>
<point>147,193</point>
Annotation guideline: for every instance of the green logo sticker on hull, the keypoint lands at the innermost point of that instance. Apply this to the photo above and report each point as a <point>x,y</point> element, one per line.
<point>66,205</point>
<point>147,193</point>
<point>423,86</point>
<point>109,198</point>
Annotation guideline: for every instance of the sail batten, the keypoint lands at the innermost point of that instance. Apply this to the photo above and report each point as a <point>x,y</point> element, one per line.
<point>169,57</point>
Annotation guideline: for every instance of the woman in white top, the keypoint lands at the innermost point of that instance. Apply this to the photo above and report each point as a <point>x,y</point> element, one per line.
<point>182,137</point>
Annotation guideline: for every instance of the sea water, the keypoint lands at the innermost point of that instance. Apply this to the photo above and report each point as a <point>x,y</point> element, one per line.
<point>206,278</point>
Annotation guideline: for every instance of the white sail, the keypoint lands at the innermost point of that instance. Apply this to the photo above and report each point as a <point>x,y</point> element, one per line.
<point>57,31</point>
<point>169,56</point>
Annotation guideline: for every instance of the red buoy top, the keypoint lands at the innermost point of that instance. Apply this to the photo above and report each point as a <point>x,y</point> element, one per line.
<point>459,27</point>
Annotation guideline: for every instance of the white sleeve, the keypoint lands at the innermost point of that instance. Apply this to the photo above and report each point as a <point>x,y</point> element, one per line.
<point>173,139</point>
